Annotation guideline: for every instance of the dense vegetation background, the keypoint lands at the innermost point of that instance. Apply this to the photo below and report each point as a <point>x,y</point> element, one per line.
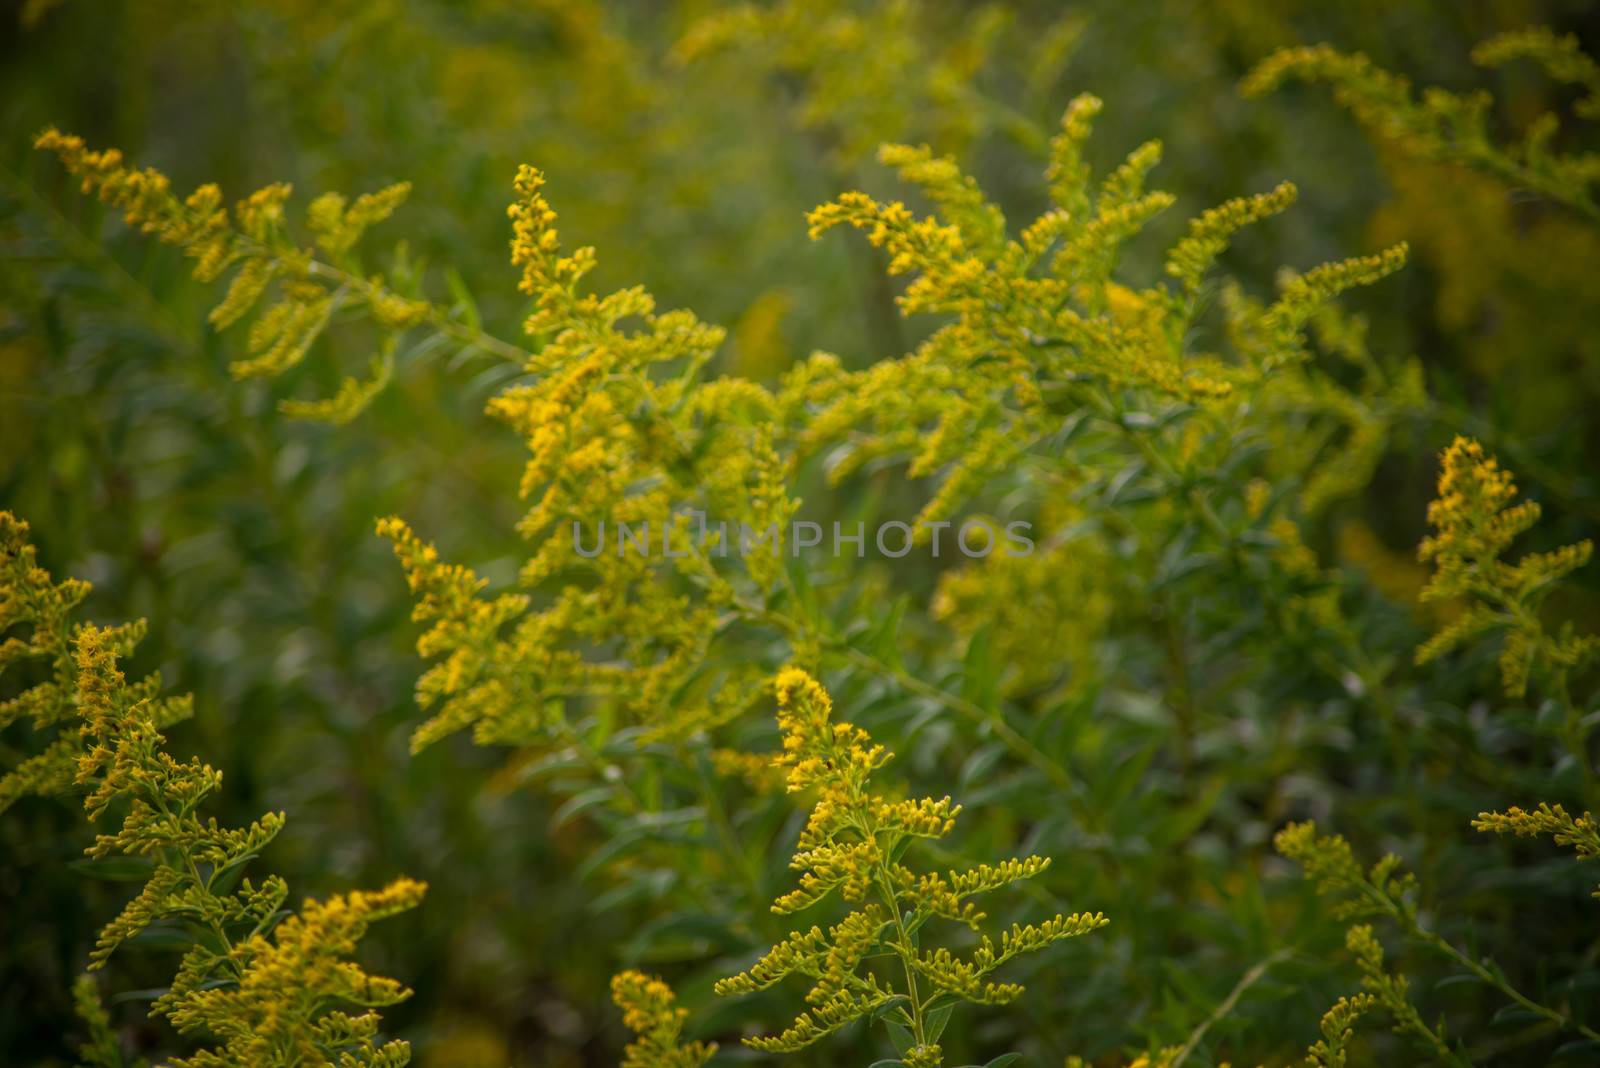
<point>246,538</point>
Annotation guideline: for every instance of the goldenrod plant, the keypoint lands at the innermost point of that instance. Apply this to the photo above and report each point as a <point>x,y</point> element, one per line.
<point>627,463</point>
<point>310,285</point>
<point>36,620</point>
<point>1385,892</point>
<point>1455,127</point>
<point>853,845</point>
<point>650,1010</point>
<point>1580,833</point>
<point>257,985</point>
<point>1082,448</point>
<point>1475,522</point>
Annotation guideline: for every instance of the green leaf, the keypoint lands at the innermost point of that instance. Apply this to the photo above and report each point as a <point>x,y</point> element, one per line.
<point>901,1036</point>
<point>1586,1047</point>
<point>580,803</point>
<point>980,682</point>
<point>115,869</point>
<point>883,640</point>
<point>463,298</point>
<point>1516,1014</point>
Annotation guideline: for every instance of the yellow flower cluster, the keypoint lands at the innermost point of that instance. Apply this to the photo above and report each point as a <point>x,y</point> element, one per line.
<point>279,1012</point>
<point>1393,992</point>
<point>1382,892</point>
<point>1192,258</point>
<point>269,994</point>
<point>477,683</point>
<point>1331,863</point>
<point>267,989</point>
<point>198,224</point>
<point>339,224</point>
<point>851,845</point>
<point>1338,1028</point>
<point>1581,833</point>
<point>624,586</point>
<point>1474,524</point>
<point>1454,127</point>
<point>255,244</point>
<point>1037,326</point>
<point>1561,57</point>
<point>42,609</point>
<point>651,1012</point>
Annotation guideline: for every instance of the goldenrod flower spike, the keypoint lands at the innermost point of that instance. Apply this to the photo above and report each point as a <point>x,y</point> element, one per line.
<point>1383,892</point>
<point>1330,863</point>
<point>651,1011</point>
<point>1039,322</point>
<point>620,433</point>
<point>1338,1028</point>
<point>1442,125</point>
<point>1475,522</point>
<point>257,245</point>
<point>264,989</point>
<point>30,599</point>
<point>1581,833</point>
<point>1191,258</point>
<point>1561,57</point>
<point>850,846</point>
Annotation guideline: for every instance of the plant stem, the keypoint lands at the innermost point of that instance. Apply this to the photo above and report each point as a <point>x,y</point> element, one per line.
<point>1440,944</point>
<point>1246,981</point>
<point>906,951</point>
<point>436,315</point>
<point>1485,975</point>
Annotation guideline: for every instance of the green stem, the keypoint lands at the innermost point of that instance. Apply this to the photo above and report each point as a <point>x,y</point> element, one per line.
<point>904,948</point>
<point>1431,938</point>
<point>436,315</point>
<point>1490,978</point>
<point>1246,981</point>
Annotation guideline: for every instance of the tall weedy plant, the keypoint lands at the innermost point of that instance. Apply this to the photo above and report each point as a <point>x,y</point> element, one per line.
<point>257,985</point>
<point>1170,676</point>
<point>853,845</point>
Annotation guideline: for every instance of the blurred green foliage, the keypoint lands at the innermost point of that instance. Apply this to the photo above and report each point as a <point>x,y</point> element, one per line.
<point>686,142</point>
